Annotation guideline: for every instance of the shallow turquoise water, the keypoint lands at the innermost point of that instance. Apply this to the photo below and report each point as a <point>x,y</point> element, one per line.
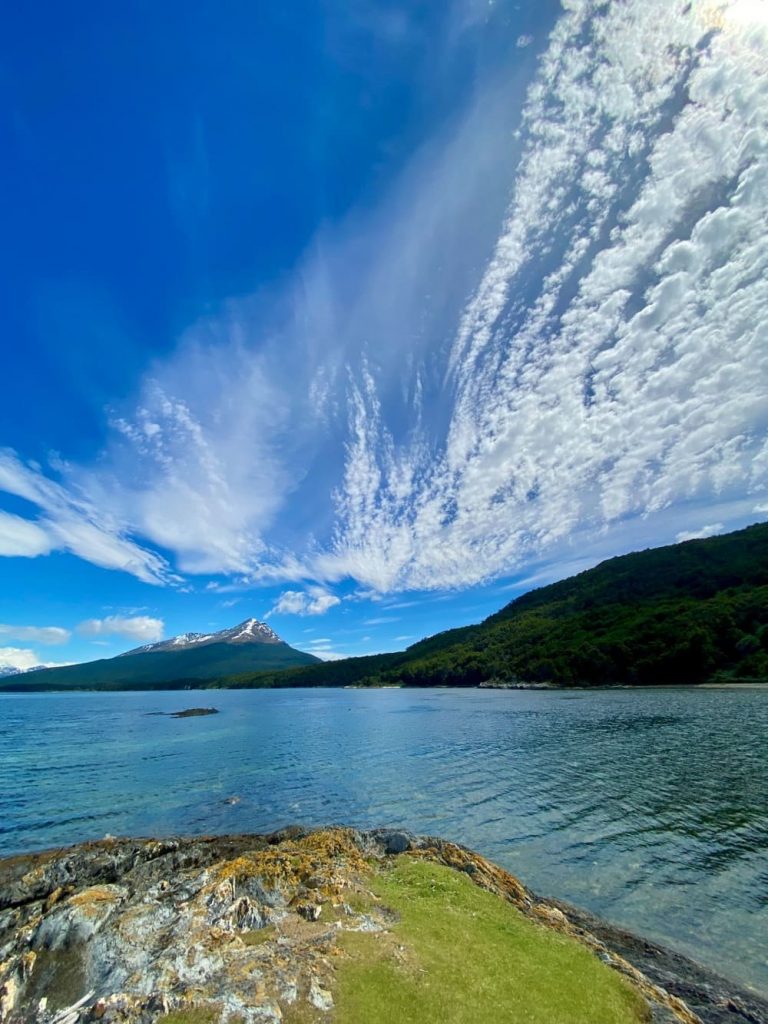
<point>649,808</point>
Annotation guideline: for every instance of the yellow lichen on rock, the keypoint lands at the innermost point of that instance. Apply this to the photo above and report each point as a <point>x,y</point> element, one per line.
<point>249,929</point>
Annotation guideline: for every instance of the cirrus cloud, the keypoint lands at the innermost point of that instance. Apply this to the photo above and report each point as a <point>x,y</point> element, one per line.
<point>69,521</point>
<point>612,364</point>
<point>551,335</point>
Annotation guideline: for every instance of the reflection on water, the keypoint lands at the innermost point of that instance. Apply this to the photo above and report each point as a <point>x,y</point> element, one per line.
<point>647,807</point>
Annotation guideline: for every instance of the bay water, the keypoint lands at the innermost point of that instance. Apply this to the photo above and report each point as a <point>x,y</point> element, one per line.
<point>647,807</point>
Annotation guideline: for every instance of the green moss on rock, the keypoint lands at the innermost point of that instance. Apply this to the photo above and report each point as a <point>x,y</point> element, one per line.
<point>331,926</point>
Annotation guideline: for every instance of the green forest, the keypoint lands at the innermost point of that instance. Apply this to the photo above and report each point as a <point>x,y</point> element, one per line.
<point>688,613</point>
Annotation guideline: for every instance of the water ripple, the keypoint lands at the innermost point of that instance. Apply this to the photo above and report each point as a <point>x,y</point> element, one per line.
<point>650,808</point>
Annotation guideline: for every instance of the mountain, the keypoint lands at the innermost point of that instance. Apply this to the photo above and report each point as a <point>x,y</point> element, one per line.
<point>251,631</point>
<point>686,613</point>
<point>185,660</point>
<point>9,670</point>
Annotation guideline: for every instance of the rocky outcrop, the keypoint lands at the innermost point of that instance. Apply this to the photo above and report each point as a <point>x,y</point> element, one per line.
<point>246,928</point>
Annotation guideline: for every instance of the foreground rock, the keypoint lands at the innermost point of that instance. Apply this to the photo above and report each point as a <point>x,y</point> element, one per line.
<point>300,926</point>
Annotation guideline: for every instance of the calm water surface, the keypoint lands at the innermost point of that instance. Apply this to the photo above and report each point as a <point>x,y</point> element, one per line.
<point>649,808</point>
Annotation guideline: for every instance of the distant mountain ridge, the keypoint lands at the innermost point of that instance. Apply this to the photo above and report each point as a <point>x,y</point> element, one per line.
<point>10,670</point>
<point>247,632</point>
<point>692,612</point>
<point>190,659</point>
<point>686,613</point>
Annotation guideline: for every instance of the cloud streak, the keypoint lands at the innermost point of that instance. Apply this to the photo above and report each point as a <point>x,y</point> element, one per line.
<point>548,335</point>
<point>49,635</point>
<point>142,628</point>
<point>68,520</point>
<point>22,538</point>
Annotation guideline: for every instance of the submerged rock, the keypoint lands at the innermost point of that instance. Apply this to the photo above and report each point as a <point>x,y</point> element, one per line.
<point>194,712</point>
<point>258,928</point>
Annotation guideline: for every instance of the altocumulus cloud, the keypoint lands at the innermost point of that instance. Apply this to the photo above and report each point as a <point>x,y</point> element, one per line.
<point>605,369</point>
<point>313,601</point>
<point>613,361</point>
<point>139,627</point>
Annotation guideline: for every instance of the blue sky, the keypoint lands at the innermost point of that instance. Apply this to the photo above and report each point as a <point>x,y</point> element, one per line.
<point>366,316</point>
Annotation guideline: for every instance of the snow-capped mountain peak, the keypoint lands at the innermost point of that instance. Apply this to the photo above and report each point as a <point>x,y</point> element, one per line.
<point>11,670</point>
<point>251,631</point>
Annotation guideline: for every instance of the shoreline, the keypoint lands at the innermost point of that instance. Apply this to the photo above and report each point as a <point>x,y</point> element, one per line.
<point>8,691</point>
<point>50,878</point>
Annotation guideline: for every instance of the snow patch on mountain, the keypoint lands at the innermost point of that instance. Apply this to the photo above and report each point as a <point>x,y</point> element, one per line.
<point>249,631</point>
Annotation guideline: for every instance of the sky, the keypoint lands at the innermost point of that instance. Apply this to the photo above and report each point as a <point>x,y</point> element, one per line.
<point>364,317</point>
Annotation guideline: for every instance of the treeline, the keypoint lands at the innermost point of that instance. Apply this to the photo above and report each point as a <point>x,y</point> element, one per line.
<point>157,670</point>
<point>688,613</point>
<point>655,643</point>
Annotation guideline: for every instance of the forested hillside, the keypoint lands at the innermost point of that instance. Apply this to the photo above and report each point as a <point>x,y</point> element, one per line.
<point>161,670</point>
<point>686,613</point>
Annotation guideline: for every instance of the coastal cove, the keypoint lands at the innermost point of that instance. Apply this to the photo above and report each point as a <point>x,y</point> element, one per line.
<point>627,803</point>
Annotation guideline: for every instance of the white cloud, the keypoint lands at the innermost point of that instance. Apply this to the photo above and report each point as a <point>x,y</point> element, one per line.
<point>69,521</point>
<point>705,531</point>
<point>613,362</point>
<point>244,425</point>
<point>312,601</point>
<point>322,649</point>
<point>141,627</point>
<point>586,366</point>
<point>22,658</point>
<point>22,538</point>
<point>211,483</point>
<point>36,634</point>
<point>523,41</point>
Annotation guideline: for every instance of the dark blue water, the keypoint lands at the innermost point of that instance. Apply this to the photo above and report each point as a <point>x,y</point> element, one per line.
<point>648,807</point>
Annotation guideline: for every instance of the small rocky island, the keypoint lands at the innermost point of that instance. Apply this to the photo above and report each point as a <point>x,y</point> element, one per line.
<point>332,925</point>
